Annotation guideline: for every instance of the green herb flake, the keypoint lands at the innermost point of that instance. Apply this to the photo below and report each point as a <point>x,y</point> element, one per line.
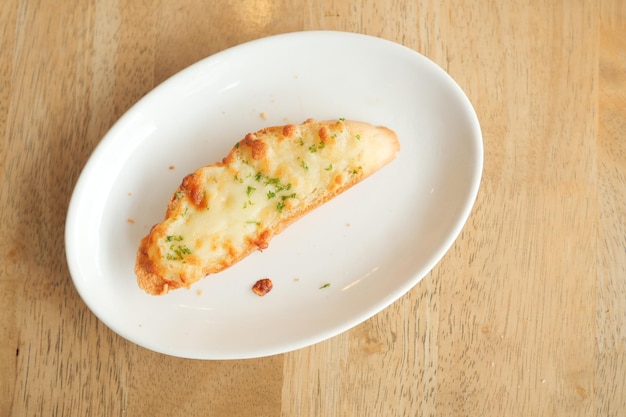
<point>171,238</point>
<point>178,194</point>
<point>304,165</point>
<point>280,206</point>
<point>250,190</point>
<point>285,197</point>
<point>312,148</point>
<point>253,222</point>
<point>358,137</point>
<point>342,119</point>
<point>177,252</point>
<point>329,167</point>
<point>258,177</point>
<point>270,195</point>
<point>325,286</point>
<point>272,181</point>
<point>278,186</point>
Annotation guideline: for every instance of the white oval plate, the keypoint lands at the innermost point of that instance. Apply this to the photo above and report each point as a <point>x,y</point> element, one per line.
<point>371,244</point>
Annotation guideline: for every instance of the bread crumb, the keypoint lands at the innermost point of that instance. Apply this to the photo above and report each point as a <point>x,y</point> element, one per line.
<point>347,224</point>
<point>296,279</point>
<point>262,286</point>
<point>131,221</point>
<point>129,194</point>
<point>199,292</point>
<point>263,115</point>
<point>172,167</point>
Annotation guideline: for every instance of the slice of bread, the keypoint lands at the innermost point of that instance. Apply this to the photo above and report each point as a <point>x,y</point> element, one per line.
<point>223,212</point>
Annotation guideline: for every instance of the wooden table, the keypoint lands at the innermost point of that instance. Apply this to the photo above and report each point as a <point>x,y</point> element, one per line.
<point>524,316</point>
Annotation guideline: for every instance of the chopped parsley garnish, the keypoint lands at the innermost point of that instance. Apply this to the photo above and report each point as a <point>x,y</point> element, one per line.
<point>356,170</point>
<point>342,119</point>
<point>253,222</point>
<point>278,186</point>
<point>280,206</point>
<point>304,165</point>
<point>171,238</point>
<point>178,252</point>
<point>178,194</point>
<point>250,190</point>
<point>285,197</point>
<point>329,167</point>
<point>325,285</point>
<point>314,148</point>
<point>358,137</point>
<point>274,183</point>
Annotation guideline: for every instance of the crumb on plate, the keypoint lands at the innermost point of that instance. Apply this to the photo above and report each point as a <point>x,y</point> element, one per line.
<point>262,286</point>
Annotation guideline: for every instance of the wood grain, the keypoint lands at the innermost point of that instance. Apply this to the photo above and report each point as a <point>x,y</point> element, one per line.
<point>611,193</point>
<point>525,315</point>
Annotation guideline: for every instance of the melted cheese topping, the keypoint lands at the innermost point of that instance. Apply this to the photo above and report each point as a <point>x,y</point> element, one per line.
<point>222,212</point>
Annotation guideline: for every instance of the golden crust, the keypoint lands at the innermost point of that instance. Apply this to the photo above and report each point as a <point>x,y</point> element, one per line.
<point>223,212</point>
